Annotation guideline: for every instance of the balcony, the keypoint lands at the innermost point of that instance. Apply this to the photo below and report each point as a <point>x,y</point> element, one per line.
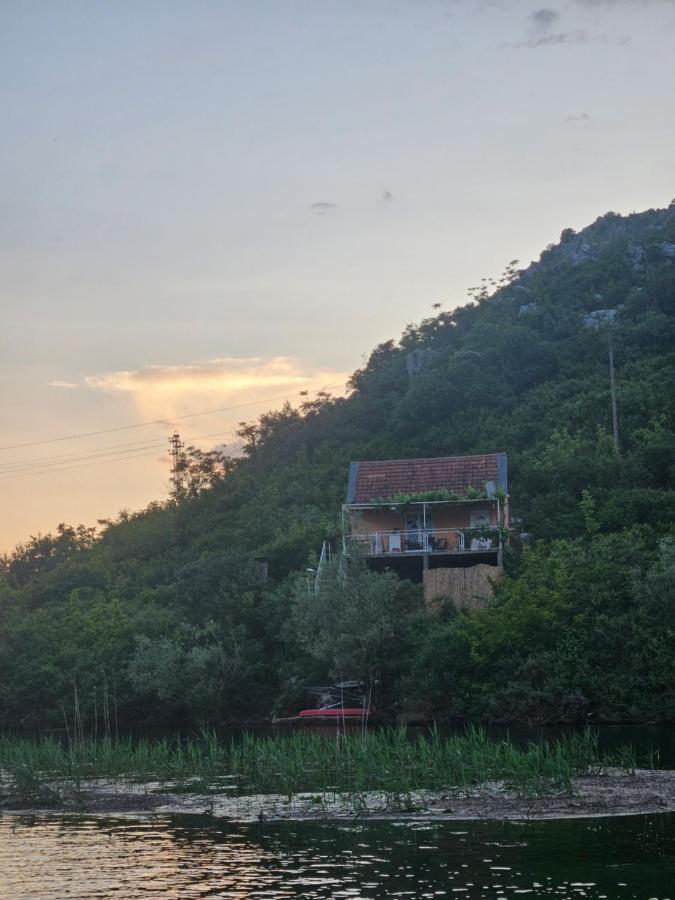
<point>428,541</point>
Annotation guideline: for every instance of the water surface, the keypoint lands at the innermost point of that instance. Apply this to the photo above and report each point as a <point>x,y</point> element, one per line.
<point>180,857</point>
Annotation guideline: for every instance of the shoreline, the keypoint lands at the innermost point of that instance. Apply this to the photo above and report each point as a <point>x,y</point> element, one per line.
<point>647,791</point>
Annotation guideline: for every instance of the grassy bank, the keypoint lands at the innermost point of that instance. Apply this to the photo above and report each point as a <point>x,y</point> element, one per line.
<point>34,772</point>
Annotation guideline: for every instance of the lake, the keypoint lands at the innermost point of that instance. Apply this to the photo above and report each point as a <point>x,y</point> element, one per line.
<point>51,856</point>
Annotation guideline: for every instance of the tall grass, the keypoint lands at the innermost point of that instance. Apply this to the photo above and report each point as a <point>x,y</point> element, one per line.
<point>390,762</point>
<point>387,761</point>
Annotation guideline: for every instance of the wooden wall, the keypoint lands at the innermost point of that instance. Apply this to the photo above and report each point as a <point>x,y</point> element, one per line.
<point>467,588</point>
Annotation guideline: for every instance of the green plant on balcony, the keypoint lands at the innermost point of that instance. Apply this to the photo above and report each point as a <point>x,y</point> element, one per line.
<point>438,496</point>
<point>486,532</point>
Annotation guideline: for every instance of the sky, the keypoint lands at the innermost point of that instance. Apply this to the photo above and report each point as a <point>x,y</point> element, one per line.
<point>218,205</point>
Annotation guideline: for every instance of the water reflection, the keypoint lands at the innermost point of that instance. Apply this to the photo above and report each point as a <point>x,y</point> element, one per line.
<point>180,856</point>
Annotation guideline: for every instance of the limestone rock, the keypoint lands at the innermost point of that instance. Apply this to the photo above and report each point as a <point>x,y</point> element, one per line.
<point>599,317</point>
<point>416,360</point>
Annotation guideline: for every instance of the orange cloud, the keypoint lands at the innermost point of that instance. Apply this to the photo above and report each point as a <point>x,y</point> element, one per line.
<point>167,391</point>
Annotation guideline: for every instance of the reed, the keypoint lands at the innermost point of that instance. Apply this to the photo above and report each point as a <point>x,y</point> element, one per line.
<point>386,761</point>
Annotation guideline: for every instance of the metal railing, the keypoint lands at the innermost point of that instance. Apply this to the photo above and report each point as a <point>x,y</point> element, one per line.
<point>324,559</point>
<point>429,540</point>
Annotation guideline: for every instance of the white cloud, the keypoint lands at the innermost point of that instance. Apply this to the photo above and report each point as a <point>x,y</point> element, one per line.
<point>63,384</point>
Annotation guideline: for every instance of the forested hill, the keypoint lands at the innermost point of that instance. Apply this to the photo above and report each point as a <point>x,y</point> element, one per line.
<point>166,607</point>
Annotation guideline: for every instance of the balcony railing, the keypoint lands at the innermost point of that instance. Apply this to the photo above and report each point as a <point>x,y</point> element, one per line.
<point>430,540</point>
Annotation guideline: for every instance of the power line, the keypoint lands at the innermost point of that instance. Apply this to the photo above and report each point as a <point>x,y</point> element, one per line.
<point>134,455</point>
<point>40,468</point>
<point>39,460</point>
<point>99,462</point>
<point>81,456</point>
<point>206,412</point>
<point>612,385</point>
<point>84,455</point>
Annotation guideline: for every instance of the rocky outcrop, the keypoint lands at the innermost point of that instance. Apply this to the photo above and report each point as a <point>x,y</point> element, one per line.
<point>636,255</point>
<point>416,360</point>
<point>599,317</point>
<point>589,244</point>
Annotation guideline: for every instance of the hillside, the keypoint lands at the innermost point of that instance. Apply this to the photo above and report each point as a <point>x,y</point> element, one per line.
<point>164,615</point>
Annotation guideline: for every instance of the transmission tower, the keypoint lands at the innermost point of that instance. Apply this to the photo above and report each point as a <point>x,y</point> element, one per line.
<point>176,447</point>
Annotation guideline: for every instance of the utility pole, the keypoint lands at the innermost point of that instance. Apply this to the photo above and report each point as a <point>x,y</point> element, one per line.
<point>176,453</point>
<point>612,384</point>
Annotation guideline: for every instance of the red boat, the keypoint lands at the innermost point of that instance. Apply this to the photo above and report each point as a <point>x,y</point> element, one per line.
<point>343,712</point>
<point>332,706</point>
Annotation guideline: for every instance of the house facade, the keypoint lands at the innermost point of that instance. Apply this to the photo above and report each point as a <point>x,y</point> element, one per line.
<point>415,515</point>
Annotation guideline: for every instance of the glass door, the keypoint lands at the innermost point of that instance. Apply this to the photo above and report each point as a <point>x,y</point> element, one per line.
<point>414,533</point>
<point>480,518</point>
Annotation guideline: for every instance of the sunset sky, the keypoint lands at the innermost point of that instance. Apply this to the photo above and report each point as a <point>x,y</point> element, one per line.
<point>219,204</point>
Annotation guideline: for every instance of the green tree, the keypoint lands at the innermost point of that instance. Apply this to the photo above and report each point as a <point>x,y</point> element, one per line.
<point>347,621</point>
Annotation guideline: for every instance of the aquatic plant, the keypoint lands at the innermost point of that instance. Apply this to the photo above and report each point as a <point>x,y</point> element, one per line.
<point>387,761</point>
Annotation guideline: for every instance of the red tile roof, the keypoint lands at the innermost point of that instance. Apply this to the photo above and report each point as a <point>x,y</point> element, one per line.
<point>381,480</point>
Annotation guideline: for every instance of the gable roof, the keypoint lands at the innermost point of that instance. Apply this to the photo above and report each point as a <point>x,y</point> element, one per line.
<point>379,480</point>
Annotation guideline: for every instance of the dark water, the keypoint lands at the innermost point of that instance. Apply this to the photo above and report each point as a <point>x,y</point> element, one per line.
<point>181,857</point>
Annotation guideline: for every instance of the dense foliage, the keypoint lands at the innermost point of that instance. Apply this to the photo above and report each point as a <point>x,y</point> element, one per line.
<point>164,616</point>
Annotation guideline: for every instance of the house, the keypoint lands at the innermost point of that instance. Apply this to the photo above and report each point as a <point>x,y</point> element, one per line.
<point>418,515</point>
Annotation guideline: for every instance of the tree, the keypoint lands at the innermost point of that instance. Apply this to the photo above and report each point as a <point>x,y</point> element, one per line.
<point>347,623</point>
